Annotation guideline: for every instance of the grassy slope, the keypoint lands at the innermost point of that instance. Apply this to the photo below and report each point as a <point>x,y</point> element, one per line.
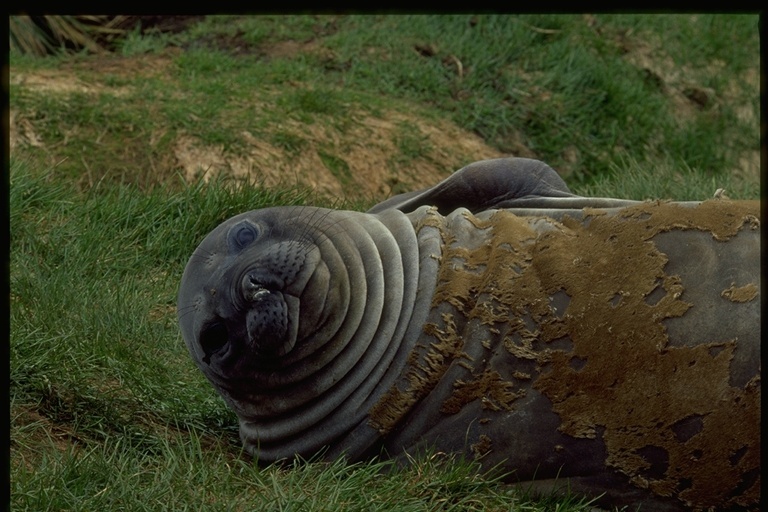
<point>108,412</point>
<point>592,96</point>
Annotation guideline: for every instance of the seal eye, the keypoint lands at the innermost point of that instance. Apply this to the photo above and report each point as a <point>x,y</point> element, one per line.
<point>242,235</point>
<point>212,339</point>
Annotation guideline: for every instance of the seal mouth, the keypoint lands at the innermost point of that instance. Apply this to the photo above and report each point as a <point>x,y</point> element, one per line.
<point>213,338</point>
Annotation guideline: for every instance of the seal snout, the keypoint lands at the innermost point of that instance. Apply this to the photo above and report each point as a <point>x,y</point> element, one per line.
<point>267,315</point>
<point>267,325</point>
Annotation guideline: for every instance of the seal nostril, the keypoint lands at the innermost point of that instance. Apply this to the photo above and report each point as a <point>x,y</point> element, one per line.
<point>212,339</point>
<point>253,289</point>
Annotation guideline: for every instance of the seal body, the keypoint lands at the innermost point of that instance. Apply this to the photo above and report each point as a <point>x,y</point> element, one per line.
<point>613,349</point>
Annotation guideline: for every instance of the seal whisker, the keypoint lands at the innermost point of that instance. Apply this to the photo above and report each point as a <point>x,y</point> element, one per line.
<point>203,257</point>
<point>186,310</point>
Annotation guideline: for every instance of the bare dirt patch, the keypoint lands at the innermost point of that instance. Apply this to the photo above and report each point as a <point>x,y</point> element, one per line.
<point>364,161</point>
<point>58,82</point>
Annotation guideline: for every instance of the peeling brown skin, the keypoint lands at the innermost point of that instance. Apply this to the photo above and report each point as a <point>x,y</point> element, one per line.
<point>744,293</point>
<point>585,347</point>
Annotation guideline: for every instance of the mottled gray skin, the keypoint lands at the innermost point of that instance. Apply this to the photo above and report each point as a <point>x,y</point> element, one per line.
<point>330,331</point>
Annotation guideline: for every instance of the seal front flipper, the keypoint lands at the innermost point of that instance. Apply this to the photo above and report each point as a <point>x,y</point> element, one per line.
<point>484,185</point>
<point>497,183</point>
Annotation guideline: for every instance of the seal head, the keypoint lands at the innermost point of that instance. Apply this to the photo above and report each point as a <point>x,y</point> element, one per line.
<point>295,315</point>
<point>242,291</point>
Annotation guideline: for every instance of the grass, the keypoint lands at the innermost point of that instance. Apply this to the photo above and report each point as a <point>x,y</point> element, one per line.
<point>107,410</point>
<point>630,179</point>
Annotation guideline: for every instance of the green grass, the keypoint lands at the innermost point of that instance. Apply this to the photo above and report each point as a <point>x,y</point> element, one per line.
<point>632,180</point>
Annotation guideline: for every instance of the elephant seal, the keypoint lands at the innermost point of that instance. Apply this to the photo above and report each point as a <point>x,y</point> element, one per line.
<point>606,345</point>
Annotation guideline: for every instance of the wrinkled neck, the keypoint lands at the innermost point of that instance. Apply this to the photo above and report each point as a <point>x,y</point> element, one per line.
<point>354,366</point>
